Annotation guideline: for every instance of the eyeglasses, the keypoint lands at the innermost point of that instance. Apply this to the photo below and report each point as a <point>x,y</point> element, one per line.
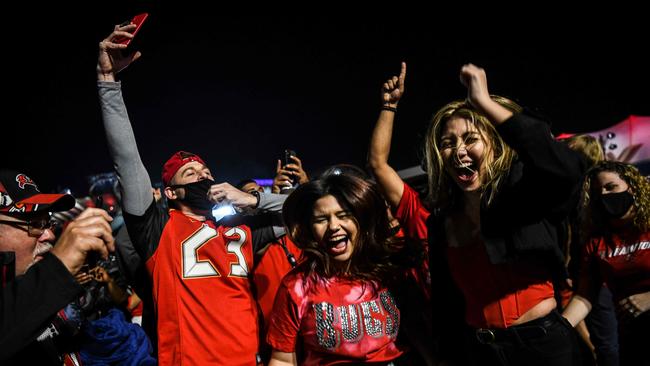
<point>33,228</point>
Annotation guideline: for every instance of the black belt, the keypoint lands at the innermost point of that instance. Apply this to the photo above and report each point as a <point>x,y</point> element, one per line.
<point>532,329</point>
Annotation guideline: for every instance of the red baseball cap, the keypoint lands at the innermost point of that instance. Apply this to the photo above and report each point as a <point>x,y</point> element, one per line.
<point>20,194</point>
<point>174,163</point>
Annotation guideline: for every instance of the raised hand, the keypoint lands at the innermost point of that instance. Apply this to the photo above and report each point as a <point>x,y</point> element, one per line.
<point>393,89</point>
<point>286,175</point>
<point>282,178</point>
<point>296,170</point>
<point>475,80</point>
<point>112,58</point>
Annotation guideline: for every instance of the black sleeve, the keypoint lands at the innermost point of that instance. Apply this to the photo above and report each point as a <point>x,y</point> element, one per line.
<point>30,301</point>
<point>145,230</point>
<point>261,226</point>
<point>550,168</point>
<point>127,256</point>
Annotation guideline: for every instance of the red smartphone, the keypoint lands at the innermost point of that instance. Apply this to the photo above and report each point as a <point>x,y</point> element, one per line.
<point>137,20</point>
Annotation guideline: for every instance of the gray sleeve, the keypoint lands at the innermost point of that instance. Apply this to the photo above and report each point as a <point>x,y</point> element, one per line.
<point>133,176</point>
<point>273,202</point>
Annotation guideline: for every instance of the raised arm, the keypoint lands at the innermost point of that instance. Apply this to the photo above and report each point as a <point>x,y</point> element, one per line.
<point>389,181</point>
<point>475,80</point>
<point>133,176</point>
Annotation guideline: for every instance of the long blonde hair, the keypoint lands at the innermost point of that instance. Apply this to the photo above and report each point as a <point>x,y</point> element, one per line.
<point>443,192</point>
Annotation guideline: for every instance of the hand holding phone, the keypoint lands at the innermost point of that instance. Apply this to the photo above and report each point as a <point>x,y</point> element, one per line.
<point>138,20</point>
<point>293,178</point>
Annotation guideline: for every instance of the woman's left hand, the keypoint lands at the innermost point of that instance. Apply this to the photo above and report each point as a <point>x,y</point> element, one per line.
<point>634,305</point>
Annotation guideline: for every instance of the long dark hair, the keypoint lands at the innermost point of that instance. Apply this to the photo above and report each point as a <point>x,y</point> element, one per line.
<point>377,256</point>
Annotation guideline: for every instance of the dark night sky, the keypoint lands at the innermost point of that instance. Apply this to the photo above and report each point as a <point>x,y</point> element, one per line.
<point>238,89</point>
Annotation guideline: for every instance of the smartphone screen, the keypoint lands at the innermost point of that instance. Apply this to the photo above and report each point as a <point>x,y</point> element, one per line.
<point>137,20</point>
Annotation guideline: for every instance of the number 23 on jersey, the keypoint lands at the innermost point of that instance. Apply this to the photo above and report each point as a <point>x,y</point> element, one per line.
<point>193,267</point>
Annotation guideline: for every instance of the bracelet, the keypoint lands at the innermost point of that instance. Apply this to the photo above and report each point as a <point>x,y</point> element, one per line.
<point>388,108</point>
<point>257,196</point>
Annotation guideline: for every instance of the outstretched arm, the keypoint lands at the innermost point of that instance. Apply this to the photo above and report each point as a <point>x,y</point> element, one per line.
<point>133,176</point>
<point>389,181</point>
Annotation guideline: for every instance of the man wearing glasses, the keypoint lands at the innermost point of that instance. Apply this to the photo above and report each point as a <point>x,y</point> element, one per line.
<point>36,279</point>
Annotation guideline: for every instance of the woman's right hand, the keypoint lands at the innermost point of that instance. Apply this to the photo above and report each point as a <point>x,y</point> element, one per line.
<point>112,58</point>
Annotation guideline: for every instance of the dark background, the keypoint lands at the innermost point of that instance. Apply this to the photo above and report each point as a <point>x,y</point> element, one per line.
<point>238,88</point>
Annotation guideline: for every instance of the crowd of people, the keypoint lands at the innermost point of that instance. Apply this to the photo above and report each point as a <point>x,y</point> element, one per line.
<point>516,239</point>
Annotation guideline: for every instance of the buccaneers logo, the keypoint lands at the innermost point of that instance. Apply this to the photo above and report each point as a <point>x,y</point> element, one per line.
<point>24,180</point>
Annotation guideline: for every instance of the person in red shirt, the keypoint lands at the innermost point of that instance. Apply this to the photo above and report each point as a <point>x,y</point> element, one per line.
<point>278,259</point>
<point>617,253</point>
<point>409,211</point>
<point>199,265</point>
<point>338,306</point>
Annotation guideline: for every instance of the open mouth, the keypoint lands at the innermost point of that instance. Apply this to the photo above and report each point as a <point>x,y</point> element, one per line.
<point>338,244</point>
<point>466,171</point>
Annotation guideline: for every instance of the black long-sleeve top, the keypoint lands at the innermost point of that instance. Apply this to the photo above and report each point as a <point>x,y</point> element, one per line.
<point>29,302</point>
<point>522,222</point>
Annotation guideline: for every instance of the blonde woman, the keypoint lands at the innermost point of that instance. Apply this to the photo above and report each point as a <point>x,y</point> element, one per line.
<point>499,185</point>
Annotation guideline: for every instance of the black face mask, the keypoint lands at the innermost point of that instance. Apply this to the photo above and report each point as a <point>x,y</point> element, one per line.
<point>196,194</point>
<point>615,205</point>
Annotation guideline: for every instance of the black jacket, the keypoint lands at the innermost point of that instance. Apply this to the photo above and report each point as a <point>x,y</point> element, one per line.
<point>541,189</point>
<point>29,303</point>
<point>522,222</point>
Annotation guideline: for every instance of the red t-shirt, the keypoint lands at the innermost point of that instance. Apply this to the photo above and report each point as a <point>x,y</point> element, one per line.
<point>496,295</point>
<point>269,271</point>
<point>206,312</point>
<point>338,321</point>
<point>412,216</point>
<point>623,263</point>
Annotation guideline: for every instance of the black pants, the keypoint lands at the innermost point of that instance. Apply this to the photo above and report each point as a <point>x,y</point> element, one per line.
<point>635,340</point>
<point>603,328</point>
<point>557,346</point>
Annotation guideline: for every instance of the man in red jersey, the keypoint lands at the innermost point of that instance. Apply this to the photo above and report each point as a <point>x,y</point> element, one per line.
<point>199,266</point>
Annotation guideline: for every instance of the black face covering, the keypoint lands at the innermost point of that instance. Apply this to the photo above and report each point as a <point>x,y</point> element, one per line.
<point>615,205</point>
<point>196,194</point>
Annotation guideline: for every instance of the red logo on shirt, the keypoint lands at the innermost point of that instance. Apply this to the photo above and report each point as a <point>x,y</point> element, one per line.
<point>24,180</point>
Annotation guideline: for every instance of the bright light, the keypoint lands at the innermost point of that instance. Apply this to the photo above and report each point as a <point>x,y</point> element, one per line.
<point>221,210</point>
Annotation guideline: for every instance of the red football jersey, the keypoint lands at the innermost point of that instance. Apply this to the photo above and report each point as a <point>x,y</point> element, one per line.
<point>269,272</point>
<point>412,216</point>
<point>206,311</point>
<point>338,321</point>
<point>623,263</point>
